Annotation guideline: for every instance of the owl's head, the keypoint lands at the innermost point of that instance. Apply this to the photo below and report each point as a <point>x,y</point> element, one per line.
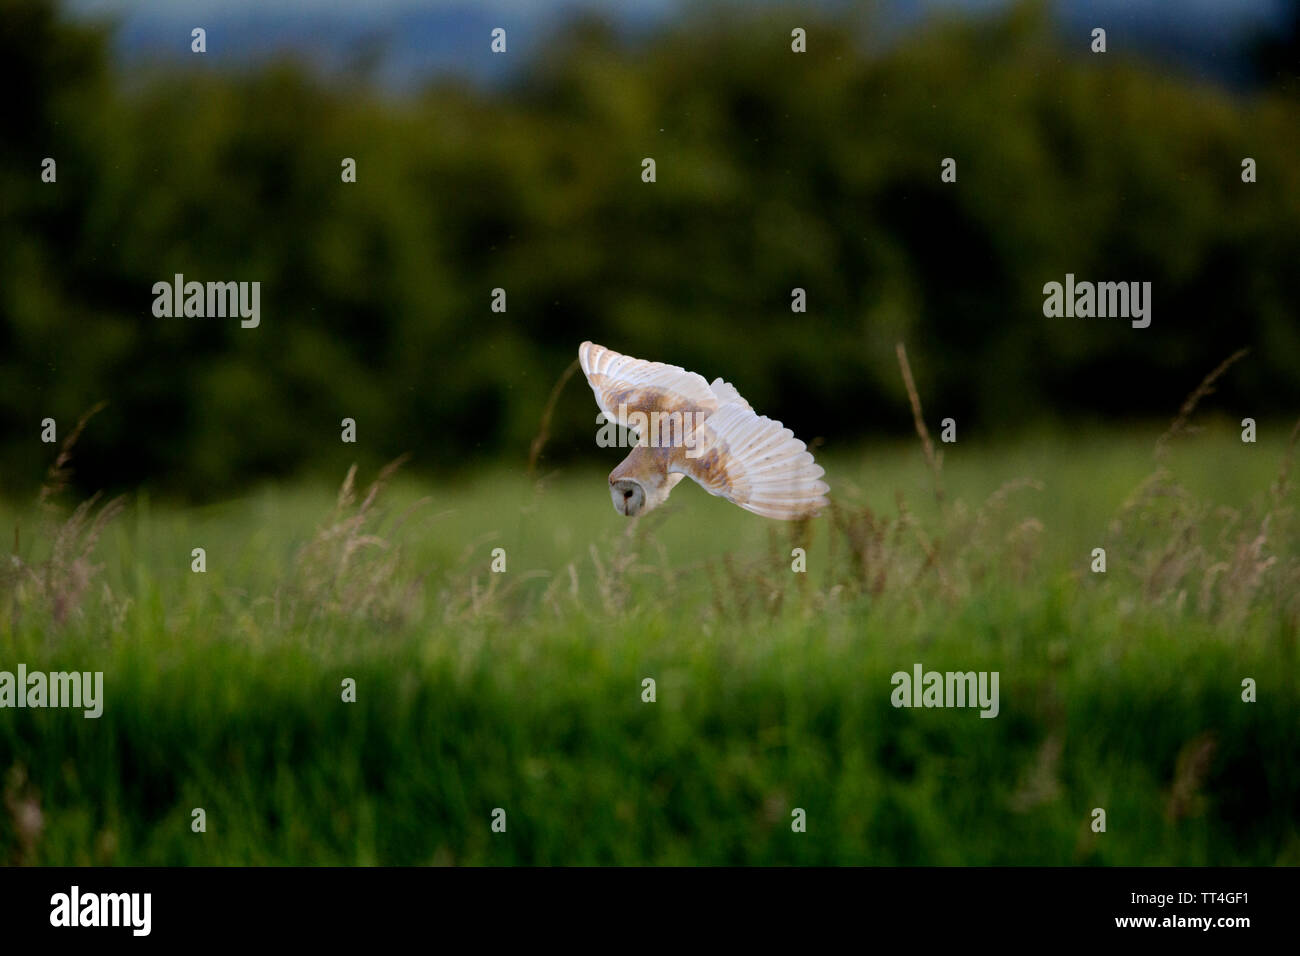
<point>628,495</point>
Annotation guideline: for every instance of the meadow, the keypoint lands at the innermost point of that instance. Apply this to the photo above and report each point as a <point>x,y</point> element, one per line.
<point>523,690</point>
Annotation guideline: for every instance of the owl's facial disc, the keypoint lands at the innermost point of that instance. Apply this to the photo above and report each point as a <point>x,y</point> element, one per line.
<point>628,497</point>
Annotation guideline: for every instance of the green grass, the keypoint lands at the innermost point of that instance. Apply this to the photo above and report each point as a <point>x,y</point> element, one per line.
<point>523,690</point>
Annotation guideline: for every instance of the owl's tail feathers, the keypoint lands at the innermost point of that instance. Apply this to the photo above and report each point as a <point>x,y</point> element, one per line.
<point>757,463</point>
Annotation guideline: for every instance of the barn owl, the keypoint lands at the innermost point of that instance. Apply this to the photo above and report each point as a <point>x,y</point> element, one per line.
<point>687,427</point>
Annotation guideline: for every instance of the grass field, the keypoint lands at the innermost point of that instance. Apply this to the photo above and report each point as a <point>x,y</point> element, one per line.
<point>522,690</point>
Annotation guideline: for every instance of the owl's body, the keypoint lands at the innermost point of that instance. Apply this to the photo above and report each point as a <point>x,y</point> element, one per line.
<point>688,427</point>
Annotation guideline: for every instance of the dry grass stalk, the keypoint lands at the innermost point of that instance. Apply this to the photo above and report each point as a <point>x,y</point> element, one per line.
<point>348,568</point>
<point>544,428</point>
<point>1193,766</point>
<point>56,479</point>
<point>26,818</point>
<point>1184,416</point>
<point>1165,534</point>
<point>935,460</point>
<point>58,584</point>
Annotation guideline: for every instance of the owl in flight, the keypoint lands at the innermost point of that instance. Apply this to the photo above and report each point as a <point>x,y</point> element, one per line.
<point>686,426</point>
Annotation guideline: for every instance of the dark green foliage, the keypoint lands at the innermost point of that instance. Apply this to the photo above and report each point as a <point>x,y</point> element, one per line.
<point>775,170</point>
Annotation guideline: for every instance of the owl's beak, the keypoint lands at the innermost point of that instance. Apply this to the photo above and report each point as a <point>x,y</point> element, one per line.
<point>627,497</point>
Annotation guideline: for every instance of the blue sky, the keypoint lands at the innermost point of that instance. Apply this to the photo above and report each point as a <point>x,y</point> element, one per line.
<point>420,38</point>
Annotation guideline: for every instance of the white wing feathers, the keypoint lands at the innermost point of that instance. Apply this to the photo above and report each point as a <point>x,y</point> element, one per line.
<point>637,385</point>
<point>757,463</point>
<point>726,393</point>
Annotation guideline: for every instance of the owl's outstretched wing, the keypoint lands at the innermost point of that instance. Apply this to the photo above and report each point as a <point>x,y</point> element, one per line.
<point>623,385</point>
<point>755,462</point>
<point>726,394</point>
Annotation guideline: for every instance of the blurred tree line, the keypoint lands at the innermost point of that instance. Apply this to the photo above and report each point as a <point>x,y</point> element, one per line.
<point>774,171</point>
